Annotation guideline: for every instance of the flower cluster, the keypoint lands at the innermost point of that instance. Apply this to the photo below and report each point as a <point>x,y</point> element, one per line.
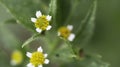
<point>42,24</point>
<point>38,58</point>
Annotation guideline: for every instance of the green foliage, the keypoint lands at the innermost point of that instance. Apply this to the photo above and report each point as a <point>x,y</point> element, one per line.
<point>63,12</point>
<point>22,10</point>
<point>89,62</point>
<point>59,9</point>
<point>9,21</point>
<point>86,28</point>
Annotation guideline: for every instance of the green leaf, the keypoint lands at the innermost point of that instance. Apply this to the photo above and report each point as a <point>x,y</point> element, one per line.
<point>13,21</point>
<point>86,28</point>
<point>89,61</point>
<point>59,9</point>
<point>63,54</point>
<point>23,10</point>
<point>52,10</point>
<point>94,61</point>
<point>32,38</point>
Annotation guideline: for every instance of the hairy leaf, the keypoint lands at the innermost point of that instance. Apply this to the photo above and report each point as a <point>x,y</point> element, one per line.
<point>88,61</point>
<point>86,28</point>
<point>23,10</point>
<point>59,9</point>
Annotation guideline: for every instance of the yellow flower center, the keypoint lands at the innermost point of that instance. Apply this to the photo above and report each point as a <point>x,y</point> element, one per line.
<point>64,32</point>
<point>42,22</point>
<point>17,57</point>
<point>37,58</point>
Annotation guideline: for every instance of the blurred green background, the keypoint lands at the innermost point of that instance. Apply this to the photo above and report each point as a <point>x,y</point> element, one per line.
<point>105,41</point>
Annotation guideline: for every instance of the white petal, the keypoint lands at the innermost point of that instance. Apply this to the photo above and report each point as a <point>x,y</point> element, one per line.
<point>38,30</point>
<point>33,19</point>
<point>40,66</point>
<point>30,65</point>
<point>70,27</point>
<point>29,54</point>
<point>38,14</point>
<point>49,27</point>
<point>13,63</point>
<point>58,34</point>
<point>40,49</point>
<point>48,17</point>
<point>45,55</point>
<point>71,37</point>
<point>46,61</point>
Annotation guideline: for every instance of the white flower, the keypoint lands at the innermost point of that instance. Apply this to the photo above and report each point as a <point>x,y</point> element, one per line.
<point>16,57</point>
<point>41,58</point>
<point>41,22</point>
<point>65,32</point>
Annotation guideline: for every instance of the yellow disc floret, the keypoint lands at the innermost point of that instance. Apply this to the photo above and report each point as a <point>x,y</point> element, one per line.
<point>37,58</point>
<point>42,22</point>
<point>17,57</point>
<point>64,32</point>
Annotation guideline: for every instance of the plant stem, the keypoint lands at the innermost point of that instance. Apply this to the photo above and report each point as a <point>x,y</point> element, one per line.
<point>72,50</point>
<point>35,36</point>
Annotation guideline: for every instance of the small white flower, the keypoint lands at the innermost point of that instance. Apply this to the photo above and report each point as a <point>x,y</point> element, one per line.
<point>65,32</point>
<point>41,22</point>
<point>16,58</point>
<point>37,55</point>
